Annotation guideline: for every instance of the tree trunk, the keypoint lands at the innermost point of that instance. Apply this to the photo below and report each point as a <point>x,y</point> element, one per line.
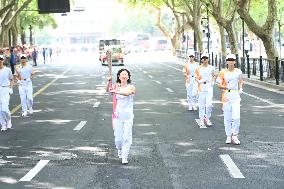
<point>199,34</point>
<point>23,36</point>
<point>14,35</point>
<point>264,32</point>
<point>232,38</point>
<point>223,40</point>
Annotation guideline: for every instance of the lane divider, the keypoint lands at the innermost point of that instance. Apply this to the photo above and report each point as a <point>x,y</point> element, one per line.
<point>80,126</point>
<point>231,166</point>
<point>169,90</point>
<point>42,89</point>
<point>96,105</point>
<point>34,171</point>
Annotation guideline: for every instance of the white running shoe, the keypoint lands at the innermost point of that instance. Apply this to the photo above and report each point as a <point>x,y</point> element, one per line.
<point>9,125</point>
<point>24,114</point>
<point>201,123</point>
<point>31,111</point>
<point>208,122</point>
<point>119,154</point>
<point>124,161</point>
<point>4,128</point>
<point>235,140</point>
<point>194,108</point>
<point>228,140</point>
<point>190,108</point>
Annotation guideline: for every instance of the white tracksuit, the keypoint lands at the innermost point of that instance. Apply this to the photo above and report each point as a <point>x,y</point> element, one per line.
<point>122,122</point>
<point>191,84</point>
<point>231,100</point>
<point>26,87</point>
<point>5,115</point>
<point>204,76</point>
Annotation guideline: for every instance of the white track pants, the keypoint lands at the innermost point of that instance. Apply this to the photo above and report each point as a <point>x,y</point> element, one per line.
<point>5,115</point>
<point>26,94</point>
<point>191,90</point>
<point>231,118</point>
<point>205,104</point>
<point>123,135</point>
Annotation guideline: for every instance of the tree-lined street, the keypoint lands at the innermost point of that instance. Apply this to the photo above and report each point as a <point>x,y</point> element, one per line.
<point>68,142</point>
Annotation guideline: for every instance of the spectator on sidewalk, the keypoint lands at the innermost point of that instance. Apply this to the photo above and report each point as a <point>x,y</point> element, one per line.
<point>12,60</point>
<point>34,55</point>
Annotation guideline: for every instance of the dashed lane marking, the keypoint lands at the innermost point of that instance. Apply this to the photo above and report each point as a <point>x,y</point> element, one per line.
<point>96,105</point>
<point>34,171</point>
<point>80,126</point>
<point>231,166</point>
<point>158,82</point>
<point>170,90</point>
<point>150,76</point>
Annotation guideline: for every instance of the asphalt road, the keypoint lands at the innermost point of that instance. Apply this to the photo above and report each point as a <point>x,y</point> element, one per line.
<point>68,142</point>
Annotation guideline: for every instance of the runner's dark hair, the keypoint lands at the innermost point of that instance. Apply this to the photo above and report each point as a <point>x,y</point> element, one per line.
<point>121,70</point>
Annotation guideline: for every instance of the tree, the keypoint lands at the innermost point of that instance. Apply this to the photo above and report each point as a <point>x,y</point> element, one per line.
<point>31,19</point>
<point>264,32</point>
<point>9,11</point>
<point>226,20</point>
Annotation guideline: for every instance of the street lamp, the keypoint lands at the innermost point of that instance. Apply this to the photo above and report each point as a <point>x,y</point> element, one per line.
<point>207,26</point>
<point>243,39</point>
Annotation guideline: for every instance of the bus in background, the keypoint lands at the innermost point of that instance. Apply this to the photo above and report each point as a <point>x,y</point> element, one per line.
<point>138,42</point>
<point>116,46</point>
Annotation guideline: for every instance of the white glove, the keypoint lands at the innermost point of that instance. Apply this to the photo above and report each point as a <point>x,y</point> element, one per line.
<point>241,90</point>
<point>212,83</point>
<point>10,91</point>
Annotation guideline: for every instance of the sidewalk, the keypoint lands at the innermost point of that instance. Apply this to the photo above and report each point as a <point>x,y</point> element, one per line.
<point>269,84</point>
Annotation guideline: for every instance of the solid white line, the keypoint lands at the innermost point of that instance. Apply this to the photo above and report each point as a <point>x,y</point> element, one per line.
<point>80,126</point>
<point>198,122</point>
<point>170,90</point>
<point>150,76</point>
<point>30,175</point>
<point>233,169</point>
<point>158,82</point>
<point>96,104</point>
<point>258,98</point>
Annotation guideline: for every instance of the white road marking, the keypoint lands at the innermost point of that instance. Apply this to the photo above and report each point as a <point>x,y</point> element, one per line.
<point>258,98</point>
<point>170,90</point>
<point>96,104</point>
<point>145,72</point>
<point>198,122</point>
<point>233,169</point>
<point>80,126</point>
<point>150,76</point>
<point>158,82</point>
<point>30,175</point>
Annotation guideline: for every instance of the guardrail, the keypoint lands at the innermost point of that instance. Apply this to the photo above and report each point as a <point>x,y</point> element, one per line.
<point>259,67</point>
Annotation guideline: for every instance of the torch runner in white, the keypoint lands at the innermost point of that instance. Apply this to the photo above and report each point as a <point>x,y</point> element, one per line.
<point>25,74</point>
<point>231,82</point>
<point>190,82</point>
<point>6,85</point>
<point>122,118</point>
